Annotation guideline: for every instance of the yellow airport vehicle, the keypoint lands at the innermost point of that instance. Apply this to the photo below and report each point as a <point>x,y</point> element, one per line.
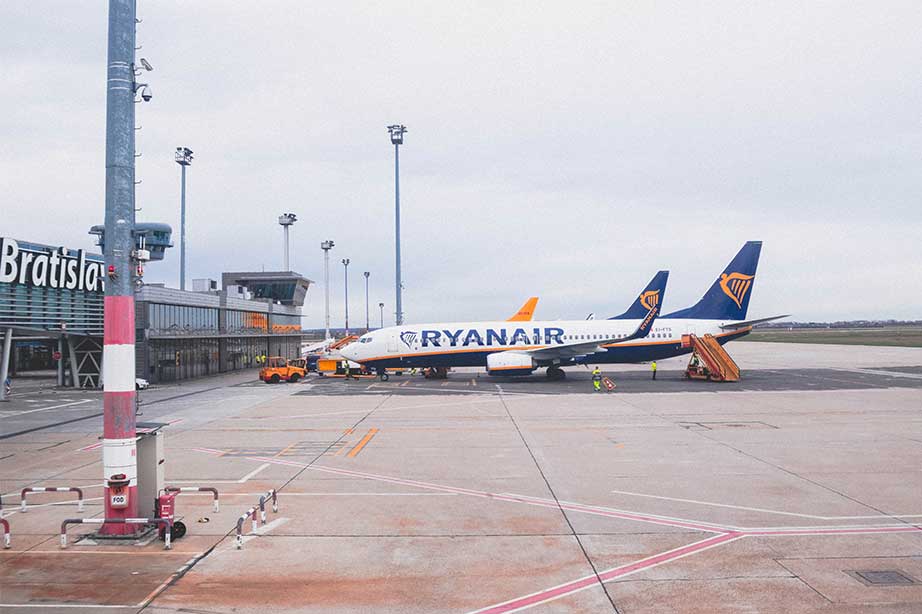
<point>278,369</point>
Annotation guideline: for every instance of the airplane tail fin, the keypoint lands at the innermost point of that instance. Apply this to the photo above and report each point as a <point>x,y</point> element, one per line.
<point>652,296</point>
<point>526,312</point>
<point>728,297</point>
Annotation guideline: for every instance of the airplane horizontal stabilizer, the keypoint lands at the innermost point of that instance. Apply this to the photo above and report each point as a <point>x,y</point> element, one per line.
<point>744,324</point>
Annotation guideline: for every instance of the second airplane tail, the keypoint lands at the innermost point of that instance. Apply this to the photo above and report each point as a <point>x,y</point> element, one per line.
<point>728,297</point>
<point>651,296</point>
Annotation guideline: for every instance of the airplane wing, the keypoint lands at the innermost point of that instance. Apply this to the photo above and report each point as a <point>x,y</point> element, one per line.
<point>744,324</point>
<point>580,348</point>
<point>525,313</point>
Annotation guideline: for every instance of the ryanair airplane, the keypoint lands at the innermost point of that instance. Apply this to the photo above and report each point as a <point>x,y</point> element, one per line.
<point>504,348</point>
<point>634,336</point>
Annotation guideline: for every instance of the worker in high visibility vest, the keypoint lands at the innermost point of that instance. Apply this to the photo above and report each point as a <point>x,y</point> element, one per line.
<point>653,368</point>
<point>597,379</point>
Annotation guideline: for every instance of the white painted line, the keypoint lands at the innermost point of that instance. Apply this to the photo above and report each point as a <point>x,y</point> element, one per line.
<point>270,526</point>
<point>765,510</point>
<point>252,473</point>
<point>879,372</point>
<point>32,411</point>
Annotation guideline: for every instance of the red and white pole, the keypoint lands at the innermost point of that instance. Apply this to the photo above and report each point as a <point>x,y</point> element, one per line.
<point>119,454</point>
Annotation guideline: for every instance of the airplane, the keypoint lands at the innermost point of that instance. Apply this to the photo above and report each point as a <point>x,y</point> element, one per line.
<point>720,312</point>
<point>501,347</point>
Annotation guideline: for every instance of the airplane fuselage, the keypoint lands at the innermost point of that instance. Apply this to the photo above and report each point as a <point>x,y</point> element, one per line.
<point>467,344</point>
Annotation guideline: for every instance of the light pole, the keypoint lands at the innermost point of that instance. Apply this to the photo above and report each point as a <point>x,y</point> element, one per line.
<point>397,131</point>
<point>183,159</point>
<point>346,284</point>
<point>367,325</point>
<point>285,221</point>
<point>326,246</point>
<point>381,307</point>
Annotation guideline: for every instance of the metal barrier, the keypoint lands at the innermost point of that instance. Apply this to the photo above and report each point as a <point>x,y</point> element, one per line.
<point>262,504</point>
<point>241,520</point>
<point>6,532</point>
<point>167,535</point>
<point>25,491</point>
<point>182,489</point>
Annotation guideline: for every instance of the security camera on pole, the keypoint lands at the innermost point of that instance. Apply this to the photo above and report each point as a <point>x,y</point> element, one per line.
<point>119,457</point>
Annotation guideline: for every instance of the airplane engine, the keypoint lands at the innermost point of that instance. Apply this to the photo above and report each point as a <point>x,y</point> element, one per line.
<point>510,363</point>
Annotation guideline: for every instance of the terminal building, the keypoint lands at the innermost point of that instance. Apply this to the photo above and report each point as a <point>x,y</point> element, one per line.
<point>51,308</point>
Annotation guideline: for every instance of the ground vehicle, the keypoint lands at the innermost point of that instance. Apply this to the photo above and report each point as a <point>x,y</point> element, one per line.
<point>278,369</point>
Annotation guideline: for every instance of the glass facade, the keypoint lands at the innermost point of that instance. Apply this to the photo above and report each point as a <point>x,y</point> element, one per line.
<point>247,322</point>
<point>178,342</point>
<point>181,319</point>
<point>175,359</point>
<point>46,308</point>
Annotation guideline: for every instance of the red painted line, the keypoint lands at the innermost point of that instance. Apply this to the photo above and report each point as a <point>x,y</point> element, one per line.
<point>575,586</point>
<point>118,327</point>
<point>92,446</point>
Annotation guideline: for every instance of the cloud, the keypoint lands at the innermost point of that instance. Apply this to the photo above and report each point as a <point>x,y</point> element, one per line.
<point>563,150</point>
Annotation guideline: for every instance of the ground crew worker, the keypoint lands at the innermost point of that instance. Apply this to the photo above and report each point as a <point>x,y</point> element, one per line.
<point>597,379</point>
<point>653,368</point>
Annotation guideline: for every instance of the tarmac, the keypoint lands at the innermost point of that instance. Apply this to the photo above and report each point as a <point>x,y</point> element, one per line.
<point>794,490</point>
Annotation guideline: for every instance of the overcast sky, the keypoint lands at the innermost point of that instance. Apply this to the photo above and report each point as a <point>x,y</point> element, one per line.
<point>564,150</point>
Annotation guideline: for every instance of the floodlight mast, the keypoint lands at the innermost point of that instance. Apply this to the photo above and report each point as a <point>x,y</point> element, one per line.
<point>326,246</point>
<point>183,159</point>
<point>285,221</point>
<point>346,286</point>
<point>397,131</point>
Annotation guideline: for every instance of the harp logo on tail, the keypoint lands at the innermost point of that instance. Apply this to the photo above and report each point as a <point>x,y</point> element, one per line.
<point>408,337</point>
<point>736,285</point>
<point>650,299</point>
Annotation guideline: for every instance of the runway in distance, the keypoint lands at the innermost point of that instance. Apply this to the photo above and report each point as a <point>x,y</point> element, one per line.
<point>633,336</point>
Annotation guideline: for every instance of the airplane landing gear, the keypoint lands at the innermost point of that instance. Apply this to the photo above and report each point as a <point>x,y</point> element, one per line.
<point>555,373</point>
<point>383,376</point>
<point>435,373</point>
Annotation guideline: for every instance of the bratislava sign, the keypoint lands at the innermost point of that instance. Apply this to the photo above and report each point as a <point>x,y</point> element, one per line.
<point>49,268</point>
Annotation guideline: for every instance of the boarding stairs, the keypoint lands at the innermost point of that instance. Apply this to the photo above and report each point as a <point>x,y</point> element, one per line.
<point>341,343</point>
<point>709,360</point>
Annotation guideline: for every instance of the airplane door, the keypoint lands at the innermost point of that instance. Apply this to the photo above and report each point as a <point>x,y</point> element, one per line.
<point>392,343</point>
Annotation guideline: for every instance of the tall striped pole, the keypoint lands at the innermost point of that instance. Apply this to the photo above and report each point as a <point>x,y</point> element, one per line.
<point>119,454</point>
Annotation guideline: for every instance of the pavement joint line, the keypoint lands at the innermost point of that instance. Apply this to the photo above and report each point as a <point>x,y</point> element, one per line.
<point>176,575</point>
<point>762,509</point>
<point>194,561</point>
<point>560,508</point>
